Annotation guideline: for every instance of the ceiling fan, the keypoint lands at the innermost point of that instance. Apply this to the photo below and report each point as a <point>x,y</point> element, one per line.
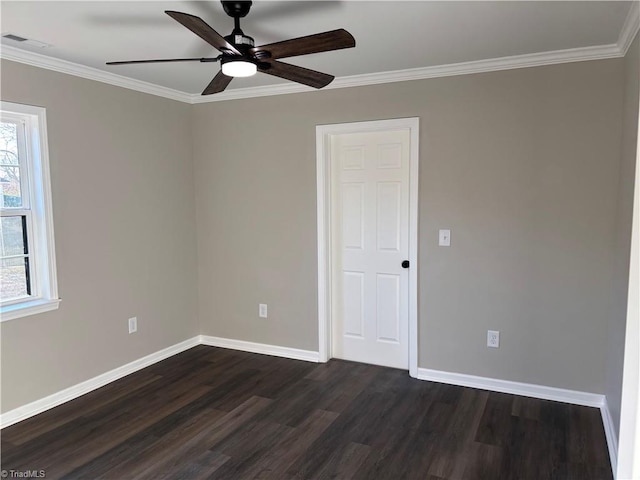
<point>240,57</point>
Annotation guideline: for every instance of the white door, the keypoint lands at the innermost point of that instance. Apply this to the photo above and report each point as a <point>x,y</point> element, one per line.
<point>369,243</point>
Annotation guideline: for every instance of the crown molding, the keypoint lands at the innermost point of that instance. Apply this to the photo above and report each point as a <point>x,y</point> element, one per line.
<point>90,73</point>
<point>464,68</point>
<point>630,28</point>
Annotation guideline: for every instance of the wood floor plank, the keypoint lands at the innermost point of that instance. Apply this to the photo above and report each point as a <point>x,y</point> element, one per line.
<point>46,421</point>
<point>215,413</point>
<point>453,451</point>
<point>586,440</point>
<point>109,435</point>
<point>526,407</point>
<point>496,420</point>
<point>344,463</point>
<point>145,447</point>
<point>484,461</point>
<point>134,447</point>
<point>175,455</point>
<point>363,418</point>
<point>290,447</point>
<point>201,468</point>
<point>247,446</point>
<point>335,393</point>
<point>405,456</point>
<point>161,450</point>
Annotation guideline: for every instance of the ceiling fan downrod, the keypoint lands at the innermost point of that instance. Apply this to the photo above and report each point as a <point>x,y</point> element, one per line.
<point>238,10</point>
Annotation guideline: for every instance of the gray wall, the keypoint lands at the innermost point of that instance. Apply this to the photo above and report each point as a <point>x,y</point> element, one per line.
<point>622,246</point>
<point>122,182</point>
<point>522,165</point>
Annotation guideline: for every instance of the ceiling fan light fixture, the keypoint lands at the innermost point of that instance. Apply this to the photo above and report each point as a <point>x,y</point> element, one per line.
<point>239,57</point>
<point>239,68</point>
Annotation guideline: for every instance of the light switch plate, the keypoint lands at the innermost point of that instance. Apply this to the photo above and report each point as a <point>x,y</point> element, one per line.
<point>444,238</point>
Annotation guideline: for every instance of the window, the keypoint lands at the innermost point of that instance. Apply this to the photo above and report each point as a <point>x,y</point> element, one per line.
<point>27,252</point>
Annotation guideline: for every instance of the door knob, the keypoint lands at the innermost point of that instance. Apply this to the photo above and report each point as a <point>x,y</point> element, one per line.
<point>405,264</point>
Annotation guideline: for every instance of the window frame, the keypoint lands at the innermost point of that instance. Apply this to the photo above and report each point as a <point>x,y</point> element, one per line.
<point>24,210</point>
<point>35,180</point>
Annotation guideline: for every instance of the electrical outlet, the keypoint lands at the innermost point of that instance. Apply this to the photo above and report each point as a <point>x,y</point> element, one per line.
<point>262,310</point>
<point>133,324</point>
<point>493,338</point>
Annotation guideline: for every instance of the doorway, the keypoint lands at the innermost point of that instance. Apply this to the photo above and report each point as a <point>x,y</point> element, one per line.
<point>367,185</point>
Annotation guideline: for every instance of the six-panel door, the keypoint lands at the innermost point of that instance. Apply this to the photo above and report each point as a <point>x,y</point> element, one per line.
<point>369,242</point>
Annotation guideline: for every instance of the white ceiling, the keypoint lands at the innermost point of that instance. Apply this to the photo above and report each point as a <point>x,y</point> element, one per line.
<point>390,35</point>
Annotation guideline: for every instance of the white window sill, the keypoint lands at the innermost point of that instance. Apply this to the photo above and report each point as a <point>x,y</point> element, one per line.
<point>24,309</point>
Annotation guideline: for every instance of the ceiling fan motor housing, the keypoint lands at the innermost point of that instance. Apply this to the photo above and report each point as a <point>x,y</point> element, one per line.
<point>243,44</point>
<point>240,41</point>
<point>236,8</point>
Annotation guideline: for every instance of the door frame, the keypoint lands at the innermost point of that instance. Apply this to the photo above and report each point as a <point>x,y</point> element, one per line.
<point>323,178</point>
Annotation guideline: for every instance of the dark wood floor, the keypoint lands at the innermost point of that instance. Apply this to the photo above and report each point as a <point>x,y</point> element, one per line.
<point>215,413</point>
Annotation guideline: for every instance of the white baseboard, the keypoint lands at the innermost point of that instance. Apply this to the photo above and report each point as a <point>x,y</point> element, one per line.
<point>536,391</point>
<point>515,388</point>
<point>610,434</point>
<point>459,379</point>
<point>263,348</point>
<point>34,408</point>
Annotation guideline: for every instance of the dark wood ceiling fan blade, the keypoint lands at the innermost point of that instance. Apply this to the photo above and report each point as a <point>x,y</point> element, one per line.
<point>165,60</point>
<point>296,74</point>
<point>203,30</point>
<point>320,42</point>
<point>218,84</point>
